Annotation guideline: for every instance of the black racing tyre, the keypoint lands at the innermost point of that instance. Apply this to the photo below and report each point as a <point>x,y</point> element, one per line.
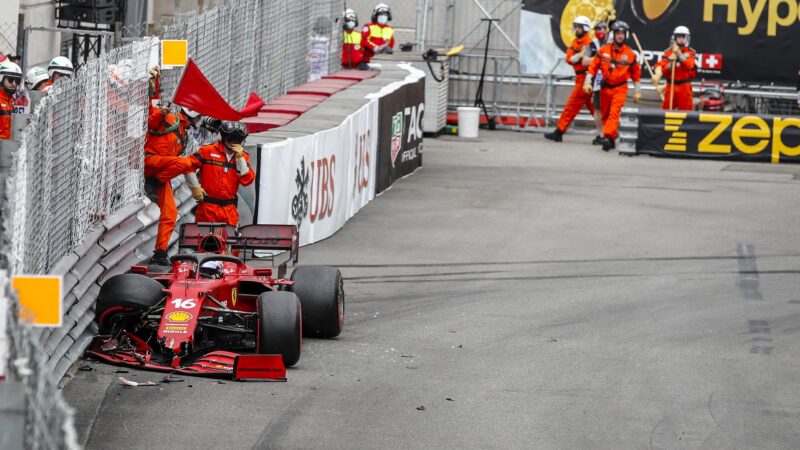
<point>321,292</point>
<point>280,326</point>
<point>125,293</point>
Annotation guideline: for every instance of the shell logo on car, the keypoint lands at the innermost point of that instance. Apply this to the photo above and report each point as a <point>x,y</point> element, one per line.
<point>179,316</point>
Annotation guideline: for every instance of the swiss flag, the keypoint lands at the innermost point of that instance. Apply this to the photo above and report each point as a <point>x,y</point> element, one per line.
<point>197,93</point>
<point>710,61</point>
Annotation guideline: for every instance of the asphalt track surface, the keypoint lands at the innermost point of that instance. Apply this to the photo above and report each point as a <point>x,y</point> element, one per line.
<point>521,294</point>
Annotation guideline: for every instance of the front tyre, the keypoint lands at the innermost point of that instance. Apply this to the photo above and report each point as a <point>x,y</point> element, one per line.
<point>280,326</point>
<point>122,297</point>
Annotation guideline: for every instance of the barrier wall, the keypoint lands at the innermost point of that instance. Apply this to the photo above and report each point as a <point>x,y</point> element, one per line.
<point>322,168</point>
<point>125,239</point>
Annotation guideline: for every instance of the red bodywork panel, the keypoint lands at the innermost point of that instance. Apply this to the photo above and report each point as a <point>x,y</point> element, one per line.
<point>214,364</point>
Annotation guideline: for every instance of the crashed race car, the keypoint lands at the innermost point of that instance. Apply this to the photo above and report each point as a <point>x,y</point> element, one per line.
<point>211,313</point>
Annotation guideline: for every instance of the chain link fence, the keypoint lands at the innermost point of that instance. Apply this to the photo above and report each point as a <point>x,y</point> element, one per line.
<point>49,421</point>
<point>248,46</point>
<point>8,37</point>
<point>80,157</point>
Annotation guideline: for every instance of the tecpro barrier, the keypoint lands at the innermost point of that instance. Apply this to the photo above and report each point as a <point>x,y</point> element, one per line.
<point>739,137</point>
<point>400,133</point>
<point>325,166</point>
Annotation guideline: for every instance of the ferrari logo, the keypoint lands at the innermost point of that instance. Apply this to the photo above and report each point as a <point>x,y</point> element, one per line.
<point>233,296</point>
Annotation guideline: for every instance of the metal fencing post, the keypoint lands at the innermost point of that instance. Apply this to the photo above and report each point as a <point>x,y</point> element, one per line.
<point>21,36</point>
<point>419,38</point>
<point>449,23</point>
<point>548,106</point>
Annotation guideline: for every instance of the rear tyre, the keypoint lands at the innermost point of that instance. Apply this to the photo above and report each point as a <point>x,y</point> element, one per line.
<point>321,292</point>
<point>124,294</point>
<point>280,326</point>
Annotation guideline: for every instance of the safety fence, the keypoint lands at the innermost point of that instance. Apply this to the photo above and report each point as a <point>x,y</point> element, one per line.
<point>260,46</point>
<point>37,417</point>
<point>8,37</point>
<point>74,203</point>
<point>79,158</point>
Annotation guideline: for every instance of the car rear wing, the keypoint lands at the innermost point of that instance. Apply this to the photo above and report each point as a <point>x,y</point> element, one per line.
<point>192,234</point>
<point>248,240</point>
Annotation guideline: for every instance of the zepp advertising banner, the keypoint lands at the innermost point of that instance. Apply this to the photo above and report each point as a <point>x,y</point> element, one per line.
<point>739,137</point>
<point>746,40</point>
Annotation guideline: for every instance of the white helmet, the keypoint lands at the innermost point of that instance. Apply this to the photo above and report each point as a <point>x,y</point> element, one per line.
<point>350,14</point>
<point>682,31</point>
<point>190,113</point>
<point>381,8</point>
<point>35,77</point>
<point>62,65</point>
<point>584,22</point>
<point>9,69</point>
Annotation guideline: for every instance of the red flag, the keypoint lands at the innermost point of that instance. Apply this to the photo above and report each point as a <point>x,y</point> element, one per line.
<point>198,94</point>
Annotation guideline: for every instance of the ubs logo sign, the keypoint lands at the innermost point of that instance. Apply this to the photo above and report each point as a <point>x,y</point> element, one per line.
<point>315,190</point>
<point>300,200</point>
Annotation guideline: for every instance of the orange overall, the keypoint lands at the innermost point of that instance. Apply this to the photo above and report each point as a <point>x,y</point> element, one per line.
<point>220,178</point>
<point>685,72</point>
<point>577,99</point>
<point>6,109</point>
<point>166,138</point>
<point>618,64</point>
<point>373,35</point>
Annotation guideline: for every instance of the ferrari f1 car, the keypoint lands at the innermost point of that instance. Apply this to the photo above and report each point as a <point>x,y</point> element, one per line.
<point>211,313</point>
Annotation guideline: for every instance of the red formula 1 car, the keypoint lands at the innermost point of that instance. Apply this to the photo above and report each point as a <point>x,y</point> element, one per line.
<point>213,314</point>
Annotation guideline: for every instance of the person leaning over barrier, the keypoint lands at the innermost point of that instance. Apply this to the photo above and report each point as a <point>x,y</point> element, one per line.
<point>165,141</point>
<point>579,55</point>
<point>378,35</point>
<point>10,78</point>
<point>217,171</point>
<point>619,64</point>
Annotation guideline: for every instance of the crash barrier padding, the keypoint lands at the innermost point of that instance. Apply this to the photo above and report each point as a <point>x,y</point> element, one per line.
<point>707,135</point>
<point>127,238</point>
<point>400,132</point>
<point>282,110</point>
<point>359,75</point>
<point>323,167</point>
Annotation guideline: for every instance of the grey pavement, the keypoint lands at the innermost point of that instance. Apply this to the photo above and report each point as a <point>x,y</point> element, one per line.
<point>527,295</point>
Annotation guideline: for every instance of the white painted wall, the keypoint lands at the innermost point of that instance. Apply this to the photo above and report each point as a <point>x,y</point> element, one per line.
<point>42,46</point>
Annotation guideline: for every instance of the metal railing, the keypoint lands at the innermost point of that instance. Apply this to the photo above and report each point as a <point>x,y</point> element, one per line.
<point>534,102</point>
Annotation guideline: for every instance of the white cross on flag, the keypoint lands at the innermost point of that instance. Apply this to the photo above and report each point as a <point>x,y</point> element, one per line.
<point>711,62</point>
